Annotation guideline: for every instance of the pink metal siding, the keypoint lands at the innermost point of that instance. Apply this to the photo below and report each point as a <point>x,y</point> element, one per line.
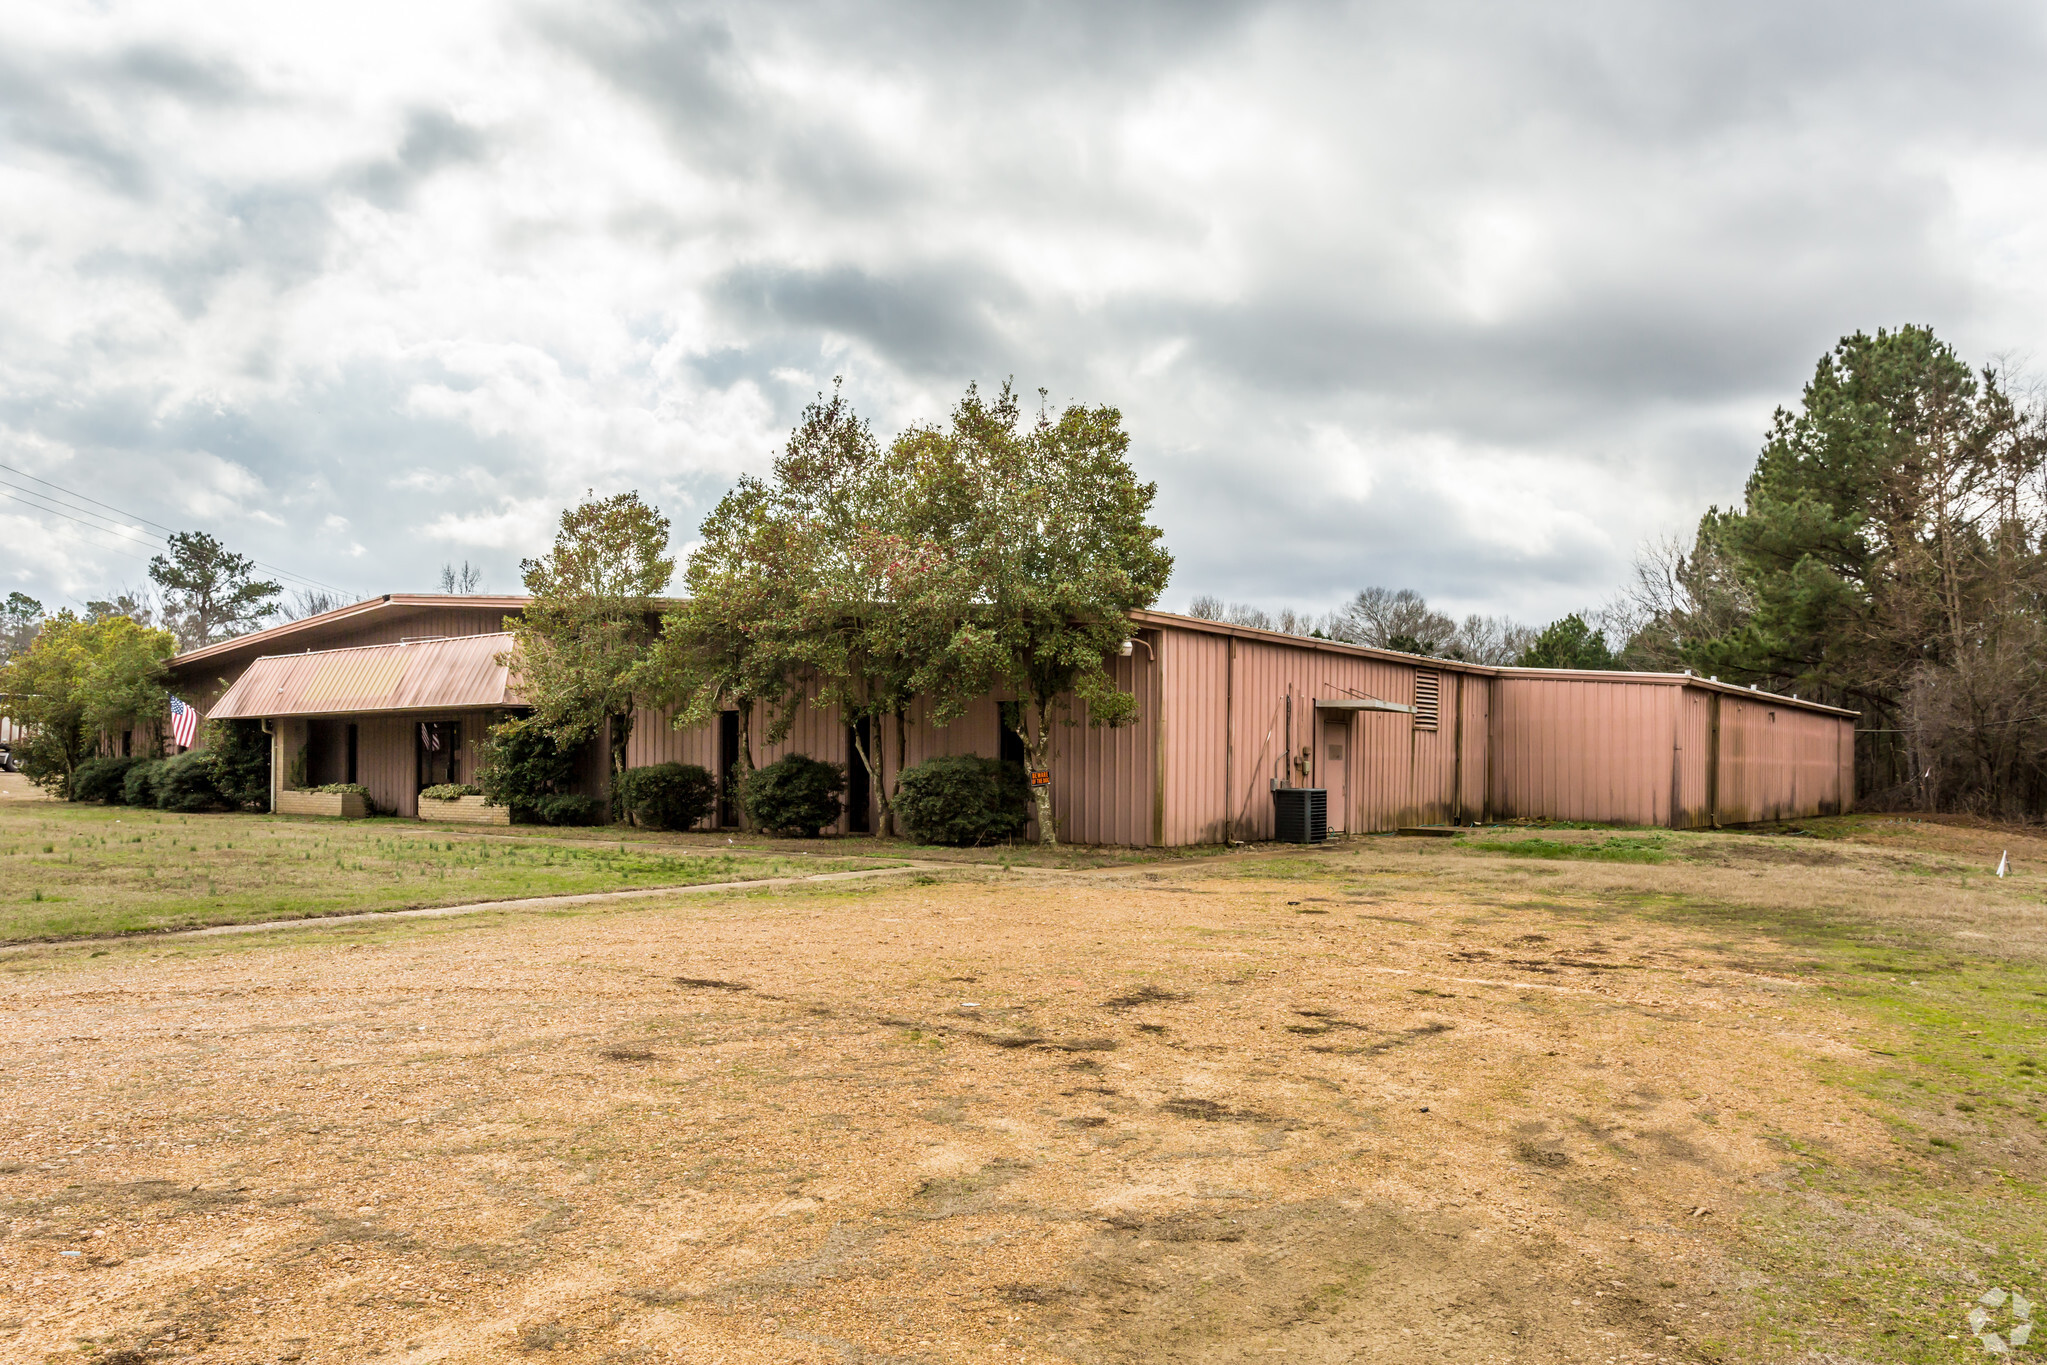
<point>1584,748</point>
<point>1101,778</point>
<point>1695,758</point>
<point>387,762</point>
<point>1195,673</point>
<point>1210,740</point>
<point>1778,762</point>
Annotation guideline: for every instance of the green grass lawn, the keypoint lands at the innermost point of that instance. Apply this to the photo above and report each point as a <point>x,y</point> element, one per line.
<point>78,871</point>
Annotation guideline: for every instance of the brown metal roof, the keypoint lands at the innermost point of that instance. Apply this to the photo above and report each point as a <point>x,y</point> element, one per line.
<point>324,621</point>
<point>417,675</point>
<point>1173,620</point>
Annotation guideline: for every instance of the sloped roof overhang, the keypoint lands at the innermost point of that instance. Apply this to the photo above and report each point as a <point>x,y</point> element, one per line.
<point>456,673</point>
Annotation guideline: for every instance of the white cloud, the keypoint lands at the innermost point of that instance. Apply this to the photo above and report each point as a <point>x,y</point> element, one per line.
<point>1470,298</point>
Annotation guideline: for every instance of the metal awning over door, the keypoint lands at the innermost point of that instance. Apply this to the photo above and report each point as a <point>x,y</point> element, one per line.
<point>1328,704</point>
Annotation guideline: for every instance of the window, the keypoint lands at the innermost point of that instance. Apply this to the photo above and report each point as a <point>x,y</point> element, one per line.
<point>439,744</point>
<point>1427,687</point>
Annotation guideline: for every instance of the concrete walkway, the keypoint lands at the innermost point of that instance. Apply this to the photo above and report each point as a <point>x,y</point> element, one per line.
<point>16,787</point>
<point>484,907</point>
<point>906,867</point>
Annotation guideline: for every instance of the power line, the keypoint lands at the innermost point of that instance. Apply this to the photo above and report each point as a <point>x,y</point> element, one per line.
<point>45,503</point>
<point>153,547</point>
<point>38,507</point>
<point>68,514</point>
<point>32,478</point>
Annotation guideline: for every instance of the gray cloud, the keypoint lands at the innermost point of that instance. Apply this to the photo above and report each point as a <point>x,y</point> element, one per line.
<point>1469,297</point>
<point>434,141</point>
<point>930,320</point>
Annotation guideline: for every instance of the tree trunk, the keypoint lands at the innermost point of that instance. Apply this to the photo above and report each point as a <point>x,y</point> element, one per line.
<point>745,709</point>
<point>620,732</point>
<point>1036,753</point>
<point>888,806</point>
<point>866,753</point>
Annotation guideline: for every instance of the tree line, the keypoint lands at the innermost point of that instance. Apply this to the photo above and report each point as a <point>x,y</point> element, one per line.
<point>1402,619</point>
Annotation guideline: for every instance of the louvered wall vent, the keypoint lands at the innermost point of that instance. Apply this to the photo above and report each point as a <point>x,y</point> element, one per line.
<point>1425,692</point>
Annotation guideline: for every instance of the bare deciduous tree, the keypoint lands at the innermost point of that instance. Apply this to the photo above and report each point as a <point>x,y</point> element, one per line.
<point>463,582</point>
<point>309,602</point>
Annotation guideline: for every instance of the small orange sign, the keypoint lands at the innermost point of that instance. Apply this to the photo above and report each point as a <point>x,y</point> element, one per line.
<point>1041,779</point>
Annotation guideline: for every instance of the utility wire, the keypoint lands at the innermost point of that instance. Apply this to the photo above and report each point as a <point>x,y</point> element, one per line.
<point>32,478</point>
<point>145,521</point>
<point>38,507</point>
<point>44,502</point>
<point>1986,725</point>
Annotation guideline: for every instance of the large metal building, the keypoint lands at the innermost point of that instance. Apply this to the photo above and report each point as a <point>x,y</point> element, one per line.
<point>395,692</point>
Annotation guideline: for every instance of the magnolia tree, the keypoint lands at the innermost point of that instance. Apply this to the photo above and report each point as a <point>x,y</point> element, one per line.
<point>579,649</point>
<point>993,553</point>
<point>1054,523</point>
<point>816,579</point>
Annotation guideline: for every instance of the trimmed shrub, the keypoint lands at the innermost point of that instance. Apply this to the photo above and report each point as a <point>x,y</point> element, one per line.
<point>667,795</point>
<point>794,795</point>
<point>568,808</point>
<point>102,779</point>
<point>186,785</point>
<point>961,799</point>
<point>521,767</point>
<point>449,791</point>
<point>240,753</point>
<point>141,786</point>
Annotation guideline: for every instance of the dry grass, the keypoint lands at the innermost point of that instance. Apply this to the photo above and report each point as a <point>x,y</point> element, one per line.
<point>1398,1100</point>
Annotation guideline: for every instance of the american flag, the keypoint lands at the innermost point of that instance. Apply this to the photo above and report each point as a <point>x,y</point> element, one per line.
<point>429,737</point>
<point>184,724</point>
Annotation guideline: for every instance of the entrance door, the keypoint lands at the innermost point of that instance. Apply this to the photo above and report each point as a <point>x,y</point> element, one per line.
<point>728,768</point>
<point>439,743</point>
<point>1332,769</point>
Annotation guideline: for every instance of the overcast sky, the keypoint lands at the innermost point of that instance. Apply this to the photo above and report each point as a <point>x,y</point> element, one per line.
<point>1469,298</point>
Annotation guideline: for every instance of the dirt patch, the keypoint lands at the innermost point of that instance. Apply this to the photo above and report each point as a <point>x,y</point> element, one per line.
<point>1143,995</point>
<point>1361,1138</point>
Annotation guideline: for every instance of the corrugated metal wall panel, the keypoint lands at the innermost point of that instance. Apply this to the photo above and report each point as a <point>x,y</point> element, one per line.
<point>1778,762</point>
<point>1102,778</point>
<point>386,629</point>
<point>1584,749</point>
<point>1195,678</point>
<point>1392,773</point>
<point>1697,759</point>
